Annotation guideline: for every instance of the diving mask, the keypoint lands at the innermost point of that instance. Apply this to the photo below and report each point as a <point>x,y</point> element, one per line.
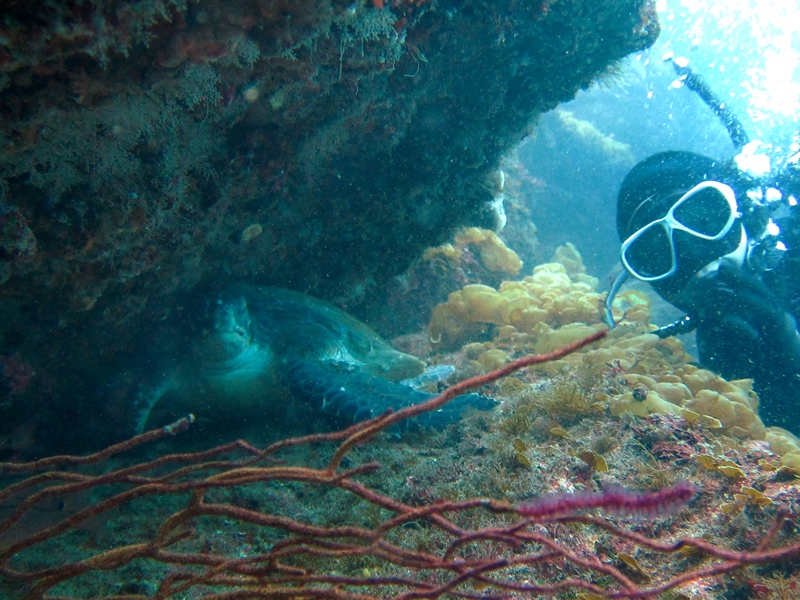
<point>708,212</point>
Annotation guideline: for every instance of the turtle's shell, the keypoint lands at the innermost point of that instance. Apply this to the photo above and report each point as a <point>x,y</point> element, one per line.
<point>259,342</point>
<point>296,325</point>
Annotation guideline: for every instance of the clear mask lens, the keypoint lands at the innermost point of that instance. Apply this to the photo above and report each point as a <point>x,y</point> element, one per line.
<point>707,211</point>
<point>650,254</point>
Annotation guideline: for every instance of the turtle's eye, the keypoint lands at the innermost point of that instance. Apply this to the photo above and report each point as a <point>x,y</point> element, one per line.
<point>358,343</point>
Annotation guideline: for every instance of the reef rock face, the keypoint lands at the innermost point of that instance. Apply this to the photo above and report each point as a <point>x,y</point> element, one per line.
<point>149,148</point>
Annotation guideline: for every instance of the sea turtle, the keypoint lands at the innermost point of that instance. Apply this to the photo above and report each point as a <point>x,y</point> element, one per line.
<point>268,348</point>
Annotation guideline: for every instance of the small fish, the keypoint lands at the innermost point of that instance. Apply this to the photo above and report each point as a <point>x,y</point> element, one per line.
<point>431,375</point>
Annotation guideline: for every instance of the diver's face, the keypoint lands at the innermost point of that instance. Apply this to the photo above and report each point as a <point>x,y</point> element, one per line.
<point>701,226</point>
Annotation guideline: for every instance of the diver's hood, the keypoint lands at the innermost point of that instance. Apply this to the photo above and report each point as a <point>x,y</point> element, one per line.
<point>648,192</point>
<point>653,185</point>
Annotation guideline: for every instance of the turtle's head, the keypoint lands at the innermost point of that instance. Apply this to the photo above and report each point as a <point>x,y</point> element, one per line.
<point>231,317</point>
<point>230,332</point>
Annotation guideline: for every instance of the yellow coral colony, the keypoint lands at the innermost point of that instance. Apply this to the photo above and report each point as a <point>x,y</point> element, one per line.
<point>493,252</point>
<point>559,303</point>
<point>536,308</point>
<point>786,445</point>
<point>730,407</point>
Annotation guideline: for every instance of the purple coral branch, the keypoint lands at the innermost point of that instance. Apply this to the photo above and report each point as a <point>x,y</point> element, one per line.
<point>615,500</point>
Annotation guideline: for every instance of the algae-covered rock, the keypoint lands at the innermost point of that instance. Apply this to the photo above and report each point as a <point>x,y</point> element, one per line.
<point>613,151</point>
<point>142,138</point>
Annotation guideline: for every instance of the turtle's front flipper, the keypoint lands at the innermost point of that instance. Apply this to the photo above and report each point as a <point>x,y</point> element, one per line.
<point>355,396</point>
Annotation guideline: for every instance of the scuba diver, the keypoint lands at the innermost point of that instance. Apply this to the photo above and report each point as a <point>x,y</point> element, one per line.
<point>721,242</point>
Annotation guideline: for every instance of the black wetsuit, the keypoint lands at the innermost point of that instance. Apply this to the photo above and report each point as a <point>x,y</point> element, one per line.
<point>746,316</point>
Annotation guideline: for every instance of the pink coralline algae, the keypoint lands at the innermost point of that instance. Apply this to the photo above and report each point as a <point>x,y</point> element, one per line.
<point>16,238</point>
<point>15,374</point>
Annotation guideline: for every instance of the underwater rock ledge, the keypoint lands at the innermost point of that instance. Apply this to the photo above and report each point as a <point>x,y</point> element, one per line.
<point>151,148</point>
